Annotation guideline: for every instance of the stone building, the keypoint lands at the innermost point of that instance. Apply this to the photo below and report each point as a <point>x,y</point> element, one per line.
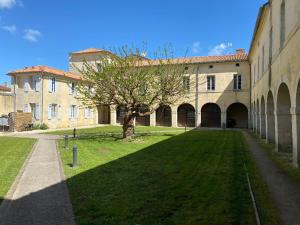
<point>275,72</point>
<point>260,90</point>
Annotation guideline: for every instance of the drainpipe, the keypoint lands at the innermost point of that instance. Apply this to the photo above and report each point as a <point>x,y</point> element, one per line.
<point>15,99</point>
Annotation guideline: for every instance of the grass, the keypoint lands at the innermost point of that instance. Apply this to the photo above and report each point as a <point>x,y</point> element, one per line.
<point>12,156</point>
<point>281,160</point>
<point>112,129</point>
<point>165,178</point>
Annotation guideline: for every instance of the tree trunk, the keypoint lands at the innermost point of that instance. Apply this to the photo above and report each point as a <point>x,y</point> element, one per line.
<point>128,126</point>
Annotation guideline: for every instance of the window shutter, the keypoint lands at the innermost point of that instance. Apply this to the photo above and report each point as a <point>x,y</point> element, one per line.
<point>70,112</point>
<point>50,85</point>
<point>70,88</point>
<point>76,113</point>
<point>37,83</point>
<point>49,112</point>
<point>26,84</point>
<point>56,85</point>
<point>26,108</point>
<point>86,112</point>
<point>37,111</point>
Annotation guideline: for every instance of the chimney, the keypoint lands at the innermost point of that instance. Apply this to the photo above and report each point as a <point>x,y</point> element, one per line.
<point>240,51</point>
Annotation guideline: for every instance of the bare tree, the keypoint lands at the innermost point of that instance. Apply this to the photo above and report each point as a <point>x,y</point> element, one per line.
<point>138,84</point>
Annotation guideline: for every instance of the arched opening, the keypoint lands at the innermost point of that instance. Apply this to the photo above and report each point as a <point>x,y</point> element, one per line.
<point>210,115</point>
<point>298,121</point>
<point>237,116</point>
<point>103,114</point>
<point>284,120</point>
<point>120,114</point>
<point>257,117</point>
<point>186,115</point>
<point>164,116</point>
<point>270,118</point>
<point>143,120</point>
<point>263,118</point>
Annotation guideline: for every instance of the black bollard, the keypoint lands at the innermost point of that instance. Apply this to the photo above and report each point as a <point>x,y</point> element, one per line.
<point>75,150</point>
<point>74,133</point>
<point>66,141</point>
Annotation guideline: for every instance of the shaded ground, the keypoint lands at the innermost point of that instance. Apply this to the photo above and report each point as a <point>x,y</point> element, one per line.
<point>164,178</point>
<point>284,191</point>
<point>39,195</point>
<point>13,152</point>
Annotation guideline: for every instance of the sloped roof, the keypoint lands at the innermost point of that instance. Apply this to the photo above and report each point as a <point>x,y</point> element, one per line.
<point>5,88</point>
<point>45,69</point>
<point>239,57</point>
<point>91,51</point>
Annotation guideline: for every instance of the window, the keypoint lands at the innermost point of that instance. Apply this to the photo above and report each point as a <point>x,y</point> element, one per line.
<point>35,110</point>
<point>72,88</point>
<point>211,66</point>
<point>237,82</point>
<point>52,111</point>
<point>263,59</point>
<point>282,23</point>
<point>237,65</point>
<point>211,83</point>
<point>186,83</point>
<point>99,67</point>
<point>73,111</point>
<point>87,112</point>
<point>52,85</point>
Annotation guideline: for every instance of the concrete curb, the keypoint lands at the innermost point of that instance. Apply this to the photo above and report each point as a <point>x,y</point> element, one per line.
<point>5,203</point>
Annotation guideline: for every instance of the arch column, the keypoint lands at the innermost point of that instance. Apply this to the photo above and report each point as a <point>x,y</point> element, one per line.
<point>294,135</point>
<point>223,118</point>
<point>267,127</point>
<point>198,118</point>
<point>276,130</point>
<point>153,119</point>
<point>113,115</point>
<point>174,116</point>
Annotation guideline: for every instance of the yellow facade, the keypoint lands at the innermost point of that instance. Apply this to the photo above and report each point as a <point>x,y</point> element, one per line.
<point>275,73</point>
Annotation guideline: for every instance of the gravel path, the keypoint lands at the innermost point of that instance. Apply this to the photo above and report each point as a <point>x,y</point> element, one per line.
<point>284,191</point>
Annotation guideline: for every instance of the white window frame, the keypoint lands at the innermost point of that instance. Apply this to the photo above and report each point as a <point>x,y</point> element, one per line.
<point>211,82</point>
<point>237,82</point>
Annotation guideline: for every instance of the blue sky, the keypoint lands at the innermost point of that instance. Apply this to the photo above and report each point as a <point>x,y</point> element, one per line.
<point>44,32</point>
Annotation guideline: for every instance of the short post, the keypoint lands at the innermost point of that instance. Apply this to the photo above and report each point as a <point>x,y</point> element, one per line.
<point>66,141</point>
<point>75,150</point>
<point>74,133</point>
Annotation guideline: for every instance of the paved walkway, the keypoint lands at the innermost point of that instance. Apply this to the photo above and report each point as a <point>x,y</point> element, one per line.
<point>285,192</point>
<point>39,195</point>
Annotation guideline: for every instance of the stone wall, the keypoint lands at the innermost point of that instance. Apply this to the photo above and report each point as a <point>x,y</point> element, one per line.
<point>19,121</point>
<point>6,103</point>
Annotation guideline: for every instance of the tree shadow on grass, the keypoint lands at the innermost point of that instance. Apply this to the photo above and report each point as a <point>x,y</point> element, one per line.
<point>190,178</point>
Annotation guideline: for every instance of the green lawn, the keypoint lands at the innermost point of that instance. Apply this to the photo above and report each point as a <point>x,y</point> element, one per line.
<point>197,177</point>
<point>113,129</point>
<point>13,153</point>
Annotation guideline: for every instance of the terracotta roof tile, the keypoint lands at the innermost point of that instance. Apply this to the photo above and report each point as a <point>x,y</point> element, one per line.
<point>4,88</point>
<point>239,57</point>
<point>91,51</point>
<point>45,69</point>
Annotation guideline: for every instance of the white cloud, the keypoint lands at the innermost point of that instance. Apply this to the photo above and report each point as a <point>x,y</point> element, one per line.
<point>11,29</point>
<point>221,49</point>
<point>7,3</point>
<point>32,35</point>
<point>196,47</point>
